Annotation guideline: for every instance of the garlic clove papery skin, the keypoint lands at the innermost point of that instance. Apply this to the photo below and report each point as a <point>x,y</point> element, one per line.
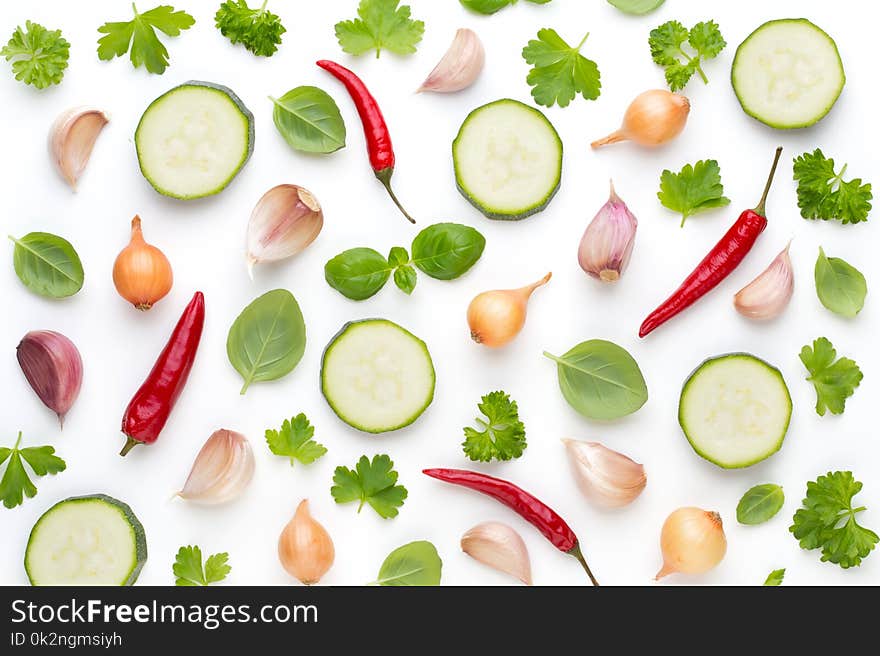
<point>608,241</point>
<point>305,548</point>
<point>459,67</point>
<point>283,223</point>
<point>767,296</point>
<point>53,368</point>
<point>72,138</point>
<point>500,547</point>
<point>606,477</point>
<point>222,470</point>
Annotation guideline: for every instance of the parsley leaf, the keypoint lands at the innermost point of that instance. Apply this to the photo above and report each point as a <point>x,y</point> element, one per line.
<point>39,56</point>
<point>16,484</point>
<point>188,567</point>
<point>140,35</point>
<point>294,441</point>
<point>775,577</point>
<point>828,521</point>
<point>822,193</point>
<point>258,30</point>
<point>502,437</point>
<point>373,482</point>
<point>834,381</point>
<point>693,189</point>
<point>559,71</point>
<point>380,24</point>
<point>487,7</point>
<point>667,43</point>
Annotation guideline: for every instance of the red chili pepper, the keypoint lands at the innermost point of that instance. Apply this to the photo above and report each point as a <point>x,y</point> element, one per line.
<point>148,410</point>
<point>375,130</point>
<point>718,264</point>
<point>530,508</point>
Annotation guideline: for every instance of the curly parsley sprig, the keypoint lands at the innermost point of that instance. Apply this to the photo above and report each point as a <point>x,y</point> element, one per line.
<point>258,30</point>
<point>38,55</point>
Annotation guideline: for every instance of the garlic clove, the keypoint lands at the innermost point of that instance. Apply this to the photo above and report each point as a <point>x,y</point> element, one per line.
<point>606,477</point>
<point>222,470</point>
<point>283,223</point>
<point>608,241</point>
<point>72,138</point>
<point>500,547</point>
<point>769,294</point>
<point>53,368</point>
<point>459,67</point>
<point>304,547</point>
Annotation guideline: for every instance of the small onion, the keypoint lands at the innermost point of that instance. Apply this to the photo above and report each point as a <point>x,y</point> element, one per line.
<point>142,274</point>
<point>304,547</point>
<point>692,542</point>
<point>497,316</point>
<point>652,119</point>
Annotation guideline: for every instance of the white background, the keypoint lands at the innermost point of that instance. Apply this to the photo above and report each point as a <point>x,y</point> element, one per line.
<point>205,240</point>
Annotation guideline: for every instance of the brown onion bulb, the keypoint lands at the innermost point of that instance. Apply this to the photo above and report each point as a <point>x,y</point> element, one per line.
<point>142,274</point>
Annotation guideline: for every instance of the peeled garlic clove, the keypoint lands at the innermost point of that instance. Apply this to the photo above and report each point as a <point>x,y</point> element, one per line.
<point>459,67</point>
<point>608,241</point>
<point>500,547</point>
<point>53,367</point>
<point>222,470</point>
<point>71,139</point>
<point>304,547</point>
<point>769,294</point>
<point>284,222</point>
<point>606,477</point>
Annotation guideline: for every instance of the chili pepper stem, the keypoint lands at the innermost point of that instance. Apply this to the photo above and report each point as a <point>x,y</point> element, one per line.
<point>129,445</point>
<point>576,552</point>
<point>760,208</point>
<point>384,176</point>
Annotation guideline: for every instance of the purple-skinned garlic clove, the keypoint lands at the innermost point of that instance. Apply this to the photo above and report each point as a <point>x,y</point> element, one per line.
<point>53,368</point>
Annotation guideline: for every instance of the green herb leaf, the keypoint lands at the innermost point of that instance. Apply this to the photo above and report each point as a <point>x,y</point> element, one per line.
<point>268,339</point>
<point>381,24</point>
<point>357,273</point>
<point>47,265</point>
<point>759,504</point>
<point>486,7</point>
<point>16,483</point>
<point>667,42</point>
<point>559,72</point>
<point>294,441</point>
<point>140,35</point>
<point>405,278</point>
<point>692,190</point>
<point>502,436</point>
<point>188,567</point>
<point>822,193</point>
<point>413,564</point>
<point>39,56</point>
<point>835,381</point>
<point>258,30</point>
<point>636,7</point>
<point>840,286</point>
<point>398,256</point>
<point>601,380</point>
<point>775,577</point>
<point>373,482</point>
<point>827,521</point>
<point>309,120</point>
<point>447,250</point>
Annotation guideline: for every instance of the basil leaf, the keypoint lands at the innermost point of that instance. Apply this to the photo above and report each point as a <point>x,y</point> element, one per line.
<point>447,250</point>
<point>398,256</point>
<point>759,504</point>
<point>636,7</point>
<point>357,273</point>
<point>601,380</point>
<point>268,338</point>
<point>309,120</point>
<point>405,278</point>
<point>416,563</point>
<point>487,7</point>
<point>47,265</point>
<point>840,286</point>
<point>775,577</point>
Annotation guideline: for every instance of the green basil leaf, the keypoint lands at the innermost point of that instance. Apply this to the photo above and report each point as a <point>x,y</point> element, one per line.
<point>486,6</point>
<point>309,120</point>
<point>636,7</point>
<point>47,265</point>
<point>398,257</point>
<point>775,577</point>
<point>447,250</point>
<point>601,380</point>
<point>759,504</point>
<point>405,278</point>
<point>840,286</point>
<point>268,338</point>
<point>357,273</point>
<point>416,563</point>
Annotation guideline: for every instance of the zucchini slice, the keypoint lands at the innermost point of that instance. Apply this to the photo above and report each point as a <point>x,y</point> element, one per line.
<point>194,139</point>
<point>734,410</point>
<point>88,540</point>
<point>508,160</point>
<point>788,73</point>
<point>377,376</point>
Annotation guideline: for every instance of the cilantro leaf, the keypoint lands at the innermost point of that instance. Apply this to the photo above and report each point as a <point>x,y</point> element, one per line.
<point>16,483</point>
<point>835,381</point>
<point>188,567</point>
<point>373,482</point>
<point>39,56</point>
<point>258,30</point>
<point>502,437</point>
<point>380,24</point>
<point>693,189</point>
<point>294,441</point>
<point>559,72</point>
<point>667,43</point>
<point>775,577</point>
<point>823,194</point>
<point>140,35</point>
<point>827,521</point>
